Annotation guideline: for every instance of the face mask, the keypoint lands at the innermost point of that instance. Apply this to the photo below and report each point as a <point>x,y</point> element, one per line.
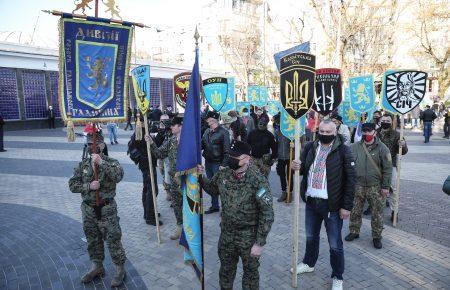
<point>376,119</point>
<point>385,125</point>
<point>326,139</point>
<point>233,163</point>
<point>368,138</point>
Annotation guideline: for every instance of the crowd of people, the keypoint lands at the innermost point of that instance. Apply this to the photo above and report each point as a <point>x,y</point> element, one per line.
<point>342,169</point>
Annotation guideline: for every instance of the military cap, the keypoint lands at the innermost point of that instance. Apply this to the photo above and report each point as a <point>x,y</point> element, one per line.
<point>337,117</point>
<point>176,121</point>
<point>367,127</point>
<point>237,148</point>
<point>213,114</point>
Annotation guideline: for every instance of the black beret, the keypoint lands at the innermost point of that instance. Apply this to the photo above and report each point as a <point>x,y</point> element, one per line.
<point>237,148</point>
<point>176,121</point>
<point>213,114</point>
<point>368,127</point>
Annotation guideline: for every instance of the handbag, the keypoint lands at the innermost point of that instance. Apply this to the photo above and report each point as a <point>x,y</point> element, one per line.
<point>446,185</point>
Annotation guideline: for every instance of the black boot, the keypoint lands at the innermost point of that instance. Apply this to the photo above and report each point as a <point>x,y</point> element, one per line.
<point>377,243</point>
<point>350,237</point>
<point>282,197</point>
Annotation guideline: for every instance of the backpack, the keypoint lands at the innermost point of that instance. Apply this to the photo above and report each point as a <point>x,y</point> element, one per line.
<point>133,151</point>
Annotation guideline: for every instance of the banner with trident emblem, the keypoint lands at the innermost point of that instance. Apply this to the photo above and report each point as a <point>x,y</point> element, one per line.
<point>328,90</point>
<point>216,90</point>
<point>297,83</point>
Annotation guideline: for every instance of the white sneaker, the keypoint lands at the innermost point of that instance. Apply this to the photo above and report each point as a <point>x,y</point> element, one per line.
<point>337,284</point>
<point>303,268</point>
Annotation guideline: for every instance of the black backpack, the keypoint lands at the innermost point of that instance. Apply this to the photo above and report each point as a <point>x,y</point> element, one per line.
<point>134,153</point>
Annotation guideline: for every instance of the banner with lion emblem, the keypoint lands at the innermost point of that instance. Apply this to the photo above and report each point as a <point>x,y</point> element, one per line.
<point>362,93</point>
<point>93,69</point>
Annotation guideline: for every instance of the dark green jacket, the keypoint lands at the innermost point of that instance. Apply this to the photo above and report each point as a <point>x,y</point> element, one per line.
<point>366,173</point>
<point>109,174</point>
<point>246,202</point>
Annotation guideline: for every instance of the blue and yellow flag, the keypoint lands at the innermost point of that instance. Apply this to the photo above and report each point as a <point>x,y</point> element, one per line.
<point>241,105</point>
<point>141,84</point>
<point>93,69</point>
<point>349,116</point>
<point>304,47</point>
<point>287,124</point>
<point>189,156</point>
<point>216,91</point>
<point>362,93</point>
<point>257,95</point>
<point>230,104</point>
<point>273,107</point>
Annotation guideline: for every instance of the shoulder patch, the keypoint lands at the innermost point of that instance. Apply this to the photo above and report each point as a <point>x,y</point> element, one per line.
<point>262,195</point>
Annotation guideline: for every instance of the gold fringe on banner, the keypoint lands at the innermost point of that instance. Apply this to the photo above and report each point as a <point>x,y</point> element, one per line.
<point>138,130</point>
<point>70,130</point>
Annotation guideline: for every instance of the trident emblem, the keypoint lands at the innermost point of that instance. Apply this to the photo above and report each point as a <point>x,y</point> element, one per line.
<point>296,95</point>
<point>216,98</point>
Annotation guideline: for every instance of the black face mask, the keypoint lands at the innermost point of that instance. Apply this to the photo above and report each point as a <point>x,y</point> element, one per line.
<point>376,119</point>
<point>233,163</point>
<point>326,139</point>
<point>385,125</point>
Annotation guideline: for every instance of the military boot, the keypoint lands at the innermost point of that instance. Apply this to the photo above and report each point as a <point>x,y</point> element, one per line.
<point>96,270</point>
<point>120,275</point>
<point>282,197</point>
<point>177,234</point>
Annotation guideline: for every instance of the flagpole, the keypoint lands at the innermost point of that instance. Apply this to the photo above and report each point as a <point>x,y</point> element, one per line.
<point>296,205</point>
<point>399,166</point>
<point>196,37</point>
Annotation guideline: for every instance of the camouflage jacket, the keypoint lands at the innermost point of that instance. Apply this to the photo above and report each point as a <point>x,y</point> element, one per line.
<point>109,174</point>
<point>246,202</point>
<point>168,149</point>
<point>367,174</point>
<point>390,138</point>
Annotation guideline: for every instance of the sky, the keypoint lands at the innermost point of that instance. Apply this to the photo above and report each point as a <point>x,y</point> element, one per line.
<point>24,15</point>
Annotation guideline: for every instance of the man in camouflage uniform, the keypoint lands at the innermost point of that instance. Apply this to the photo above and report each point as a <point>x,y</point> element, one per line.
<point>169,149</point>
<point>373,182</point>
<point>247,216</point>
<point>100,223</point>
<point>391,138</point>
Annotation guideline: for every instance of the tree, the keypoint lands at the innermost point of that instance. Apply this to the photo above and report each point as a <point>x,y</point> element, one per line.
<point>241,50</point>
<point>362,32</point>
<point>431,27</point>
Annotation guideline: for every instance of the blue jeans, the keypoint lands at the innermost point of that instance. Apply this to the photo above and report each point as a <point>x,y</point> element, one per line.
<point>211,169</point>
<point>316,212</point>
<point>427,131</point>
<point>112,132</point>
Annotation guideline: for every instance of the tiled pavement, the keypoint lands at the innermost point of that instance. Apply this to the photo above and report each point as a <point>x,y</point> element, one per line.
<point>41,244</point>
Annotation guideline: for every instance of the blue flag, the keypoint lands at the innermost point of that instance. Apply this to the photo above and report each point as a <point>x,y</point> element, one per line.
<point>361,93</point>
<point>304,47</point>
<point>189,156</point>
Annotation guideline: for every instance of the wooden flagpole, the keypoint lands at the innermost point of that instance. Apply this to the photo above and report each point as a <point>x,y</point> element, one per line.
<point>399,166</point>
<point>152,181</point>
<point>296,205</point>
<point>289,192</point>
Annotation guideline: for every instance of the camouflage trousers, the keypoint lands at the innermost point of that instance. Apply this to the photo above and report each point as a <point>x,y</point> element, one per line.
<point>376,202</point>
<point>233,244</point>
<point>262,166</point>
<point>106,229</point>
<point>177,205</point>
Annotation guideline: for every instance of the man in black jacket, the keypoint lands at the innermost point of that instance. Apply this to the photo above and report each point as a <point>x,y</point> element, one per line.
<point>427,118</point>
<point>264,147</point>
<point>215,145</point>
<point>327,188</point>
<point>147,197</point>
